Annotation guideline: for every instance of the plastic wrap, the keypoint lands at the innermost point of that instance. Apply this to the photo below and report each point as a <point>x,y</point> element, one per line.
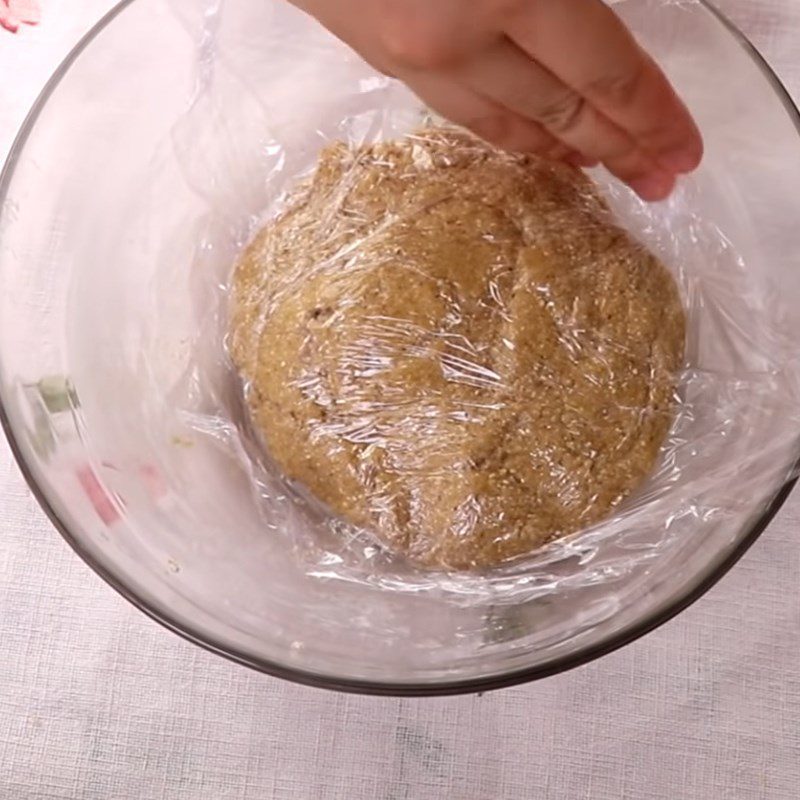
<point>456,347</point>
<point>737,379</point>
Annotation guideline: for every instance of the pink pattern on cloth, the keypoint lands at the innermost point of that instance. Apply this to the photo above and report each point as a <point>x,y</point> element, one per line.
<point>14,13</point>
<point>98,497</point>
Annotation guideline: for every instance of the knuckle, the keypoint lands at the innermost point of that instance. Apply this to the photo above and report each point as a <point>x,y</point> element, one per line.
<point>520,96</point>
<point>619,89</point>
<point>562,114</point>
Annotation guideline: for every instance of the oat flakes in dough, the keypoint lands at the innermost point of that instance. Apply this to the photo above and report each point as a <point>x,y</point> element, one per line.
<point>456,348</point>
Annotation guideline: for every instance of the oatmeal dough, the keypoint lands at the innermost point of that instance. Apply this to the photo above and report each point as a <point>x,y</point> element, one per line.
<point>456,348</point>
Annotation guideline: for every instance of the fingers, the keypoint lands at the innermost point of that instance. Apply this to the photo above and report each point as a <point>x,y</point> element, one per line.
<point>604,65</point>
<point>488,119</point>
<point>507,76</point>
<point>563,78</point>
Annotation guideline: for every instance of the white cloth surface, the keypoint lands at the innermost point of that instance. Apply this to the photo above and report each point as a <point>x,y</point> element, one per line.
<point>99,703</point>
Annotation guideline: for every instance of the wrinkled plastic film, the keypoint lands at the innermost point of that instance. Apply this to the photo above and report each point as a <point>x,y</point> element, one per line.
<point>462,349</point>
<point>737,378</point>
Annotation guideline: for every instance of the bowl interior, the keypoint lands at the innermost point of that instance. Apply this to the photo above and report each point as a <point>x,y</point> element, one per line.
<point>127,200</point>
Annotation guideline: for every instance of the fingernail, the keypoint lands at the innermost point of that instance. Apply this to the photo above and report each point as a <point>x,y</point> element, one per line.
<point>679,161</point>
<point>653,187</point>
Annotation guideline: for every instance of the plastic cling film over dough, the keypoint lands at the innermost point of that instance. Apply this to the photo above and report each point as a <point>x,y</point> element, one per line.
<point>456,347</point>
<point>247,150</point>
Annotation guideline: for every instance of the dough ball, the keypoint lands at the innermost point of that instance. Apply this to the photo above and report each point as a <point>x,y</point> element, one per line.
<point>456,348</point>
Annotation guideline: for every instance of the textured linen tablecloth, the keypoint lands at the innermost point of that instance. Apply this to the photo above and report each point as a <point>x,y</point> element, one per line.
<point>99,703</point>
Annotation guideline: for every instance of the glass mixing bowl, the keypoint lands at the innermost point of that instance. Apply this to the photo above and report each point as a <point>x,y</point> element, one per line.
<point>79,359</point>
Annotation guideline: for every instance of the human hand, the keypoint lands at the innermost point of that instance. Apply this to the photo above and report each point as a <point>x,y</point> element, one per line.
<point>563,78</point>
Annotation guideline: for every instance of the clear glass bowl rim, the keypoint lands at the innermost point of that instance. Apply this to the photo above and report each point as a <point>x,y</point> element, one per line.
<point>704,581</point>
